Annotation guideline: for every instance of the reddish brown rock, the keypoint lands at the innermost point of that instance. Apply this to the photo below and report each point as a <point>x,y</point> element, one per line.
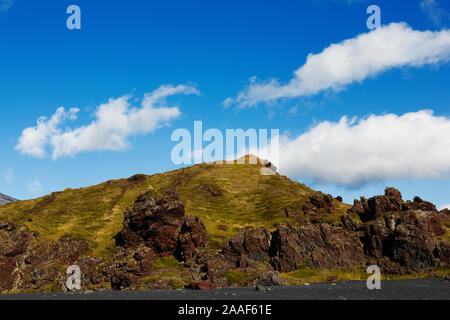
<point>332,278</point>
<point>202,285</point>
<point>250,243</point>
<point>316,245</point>
<point>350,224</point>
<point>153,221</point>
<point>192,237</point>
<point>64,251</point>
<point>26,263</point>
<point>323,202</point>
<point>269,279</point>
<point>161,225</point>
<point>376,206</point>
<point>286,248</point>
<point>418,204</point>
<point>15,242</point>
<point>404,242</point>
<point>127,266</point>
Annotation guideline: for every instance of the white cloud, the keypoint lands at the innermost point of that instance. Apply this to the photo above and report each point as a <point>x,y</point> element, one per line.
<point>33,140</point>
<point>434,12</point>
<point>34,186</point>
<point>114,122</point>
<point>354,60</point>
<point>352,152</point>
<point>445,206</point>
<point>5,5</point>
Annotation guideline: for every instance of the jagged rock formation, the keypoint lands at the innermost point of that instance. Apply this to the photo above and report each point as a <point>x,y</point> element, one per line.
<point>400,237</point>
<point>6,199</point>
<point>162,226</point>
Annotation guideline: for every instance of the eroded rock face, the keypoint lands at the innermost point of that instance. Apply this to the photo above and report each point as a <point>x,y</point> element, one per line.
<point>155,222</point>
<point>251,243</point>
<point>15,243</point>
<point>202,285</point>
<point>418,204</point>
<point>316,245</point>
<point>320,203</point>
<point>350,224</point>
<point>162,226</point>
<point>43,264</point>
<point>376,206</point>
<point>404,243</point>
<point>323,201</point>
<point>26,263</point>
<point>128,266</point>
<point>192,238</point>
<point>270,278</point>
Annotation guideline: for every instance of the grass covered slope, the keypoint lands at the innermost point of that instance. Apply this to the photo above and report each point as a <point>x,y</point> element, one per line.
<point>226,197</point>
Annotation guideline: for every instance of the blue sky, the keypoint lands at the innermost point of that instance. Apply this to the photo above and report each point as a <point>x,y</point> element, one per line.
<point>133,47</point>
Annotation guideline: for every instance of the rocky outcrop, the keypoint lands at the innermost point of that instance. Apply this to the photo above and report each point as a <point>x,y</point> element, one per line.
<point>128,266</point>
<point>315,245</point>
<point>323,201</point>
<point>250,244</point>
<point>15,243</point>
<point>405,243</point>
<point>400,236</point>
<point>154,222</point>
<point>269,279</point>
<point>27,263</point>
<point>418,204</point>
<point>202,285</point>
<point>162,226</point>
<point>192,238</point>
<point>376,206</point>
<point>320,203</point>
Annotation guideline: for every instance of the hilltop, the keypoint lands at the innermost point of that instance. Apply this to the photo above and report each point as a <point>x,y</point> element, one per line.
<point>213,225</point>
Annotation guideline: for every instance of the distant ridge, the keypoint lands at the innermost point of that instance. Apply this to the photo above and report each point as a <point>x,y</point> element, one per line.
<point>6,199</point>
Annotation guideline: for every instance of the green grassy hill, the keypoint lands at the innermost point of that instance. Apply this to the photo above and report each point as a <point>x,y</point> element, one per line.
<point>226,197</point>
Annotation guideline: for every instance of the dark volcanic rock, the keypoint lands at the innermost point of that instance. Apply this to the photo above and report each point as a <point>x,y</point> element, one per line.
<point>192,237</point>
<point>316,245</point>
<point>376,206</point>
<point>350,224</point>
<point>15,242</point>
<point>269,279</point>
<point>127,266</point>
<point>27,263</point>
<point>418,204</point>
<point>161,225</point>
<point>319,203</point>
<point>251,243</point>
<point>404,242</point>
<point>323,201</point>
<point>202,285</point>
<point>155,222</point>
